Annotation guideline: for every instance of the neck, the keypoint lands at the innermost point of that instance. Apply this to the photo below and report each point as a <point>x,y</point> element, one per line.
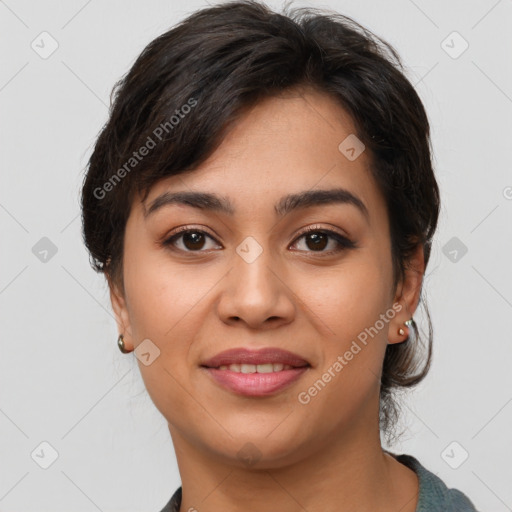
<point>343,473</point>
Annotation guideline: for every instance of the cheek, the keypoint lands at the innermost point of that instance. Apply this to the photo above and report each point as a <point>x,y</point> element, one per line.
<point>162,296</point>
<point>164,306</point>
<point>347,378</point>
<point>347,306</point>
<point>349,298</point>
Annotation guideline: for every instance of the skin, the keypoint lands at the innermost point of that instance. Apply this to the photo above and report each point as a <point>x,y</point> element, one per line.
<point>321,456</point>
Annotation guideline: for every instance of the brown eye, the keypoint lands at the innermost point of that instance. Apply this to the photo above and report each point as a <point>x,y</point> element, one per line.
<point>193,240</point>
<point>316,240</point>
<point>189,240</point>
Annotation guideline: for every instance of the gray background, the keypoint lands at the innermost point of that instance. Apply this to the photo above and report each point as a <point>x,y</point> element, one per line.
<point>63,380</point>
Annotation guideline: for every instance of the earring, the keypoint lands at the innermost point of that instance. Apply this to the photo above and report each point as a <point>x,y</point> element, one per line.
<point>408,323</point>
<point>120,344</point>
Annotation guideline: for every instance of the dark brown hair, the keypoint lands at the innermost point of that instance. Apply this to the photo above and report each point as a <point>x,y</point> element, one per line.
<point>189,84</point>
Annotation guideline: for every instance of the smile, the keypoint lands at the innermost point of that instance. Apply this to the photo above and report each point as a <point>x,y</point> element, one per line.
<point>256,368</point>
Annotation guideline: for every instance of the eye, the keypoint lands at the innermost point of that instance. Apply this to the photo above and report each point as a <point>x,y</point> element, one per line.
<point>188,240</point>
<point>317,239</point>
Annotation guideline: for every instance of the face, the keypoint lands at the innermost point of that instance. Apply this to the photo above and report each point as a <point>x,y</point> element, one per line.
<point>200,280</point>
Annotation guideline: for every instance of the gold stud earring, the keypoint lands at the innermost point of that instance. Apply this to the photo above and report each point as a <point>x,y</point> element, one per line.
<point>120,344</point>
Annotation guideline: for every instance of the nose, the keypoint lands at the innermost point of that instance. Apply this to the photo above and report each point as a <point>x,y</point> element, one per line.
<point>256,293</point>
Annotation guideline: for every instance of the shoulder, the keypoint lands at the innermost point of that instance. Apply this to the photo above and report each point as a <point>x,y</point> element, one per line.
<point>434,495</point>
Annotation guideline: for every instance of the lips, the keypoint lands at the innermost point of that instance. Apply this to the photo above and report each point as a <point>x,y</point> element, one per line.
<point>256,384</point>
<point>262,356</point>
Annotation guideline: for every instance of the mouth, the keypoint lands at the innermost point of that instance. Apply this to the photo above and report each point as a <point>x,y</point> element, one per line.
<point>255,373</point>
<point>256,368</point>
<point>247,358</point>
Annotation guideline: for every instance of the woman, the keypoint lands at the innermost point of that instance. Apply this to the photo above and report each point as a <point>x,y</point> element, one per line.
<point>262,203</point>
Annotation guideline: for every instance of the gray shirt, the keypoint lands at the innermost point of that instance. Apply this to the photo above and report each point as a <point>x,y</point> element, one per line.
<point>434,495</point>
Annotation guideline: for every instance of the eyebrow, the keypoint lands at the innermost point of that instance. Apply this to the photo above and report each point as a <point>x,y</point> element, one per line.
<point>287,204</point>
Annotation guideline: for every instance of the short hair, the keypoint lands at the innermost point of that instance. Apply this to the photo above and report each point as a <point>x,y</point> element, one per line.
<point>190,83</point>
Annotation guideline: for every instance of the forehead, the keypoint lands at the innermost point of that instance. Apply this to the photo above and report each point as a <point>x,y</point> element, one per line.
<point>288,143</point>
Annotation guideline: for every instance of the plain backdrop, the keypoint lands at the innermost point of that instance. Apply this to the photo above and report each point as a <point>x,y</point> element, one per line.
<point>70,400</point>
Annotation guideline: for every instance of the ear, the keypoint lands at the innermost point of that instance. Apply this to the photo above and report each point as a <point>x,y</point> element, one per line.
<point>118,300</point>
<point>408,296</point>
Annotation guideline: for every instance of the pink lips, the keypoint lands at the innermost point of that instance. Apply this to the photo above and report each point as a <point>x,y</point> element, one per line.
<point>261,356</point>
<point>255,384</point>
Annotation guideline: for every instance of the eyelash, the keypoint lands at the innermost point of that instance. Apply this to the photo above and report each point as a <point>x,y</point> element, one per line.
<point>342,241</point>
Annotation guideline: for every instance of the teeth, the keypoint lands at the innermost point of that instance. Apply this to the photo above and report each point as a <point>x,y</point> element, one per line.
<point>248,368</point>
<point>256,368</point>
